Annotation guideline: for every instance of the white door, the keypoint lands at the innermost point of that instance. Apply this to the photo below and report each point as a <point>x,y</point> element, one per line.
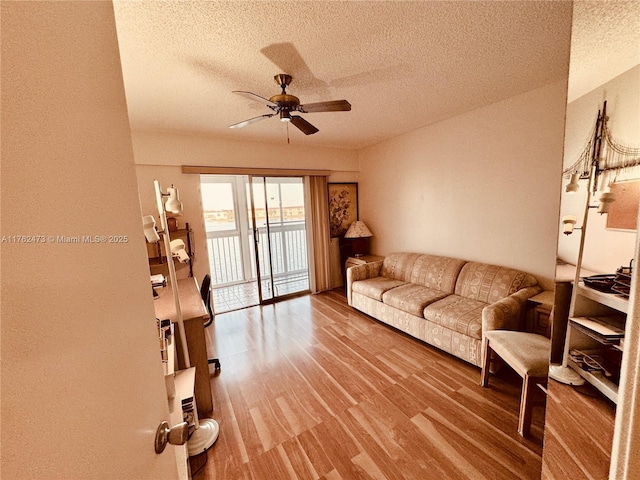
<point>82,382</point>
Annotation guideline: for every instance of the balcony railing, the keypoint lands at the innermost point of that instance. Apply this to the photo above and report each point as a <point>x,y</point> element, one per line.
<point>232,258</point>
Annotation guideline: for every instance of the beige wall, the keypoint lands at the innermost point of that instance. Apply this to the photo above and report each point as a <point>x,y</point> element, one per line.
<point>484,186</point>
<point>163,148</point>
<point>605,250</point>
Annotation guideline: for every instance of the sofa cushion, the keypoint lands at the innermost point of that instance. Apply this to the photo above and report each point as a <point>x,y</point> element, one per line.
<point>399,266</point>
<point>439,273</point>
<point>491,283</point>
<point>412,298</point>
<point>375,287</point>
<point>463,315</point>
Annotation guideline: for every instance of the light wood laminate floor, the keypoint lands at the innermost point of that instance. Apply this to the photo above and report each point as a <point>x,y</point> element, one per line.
<point>312,389</point>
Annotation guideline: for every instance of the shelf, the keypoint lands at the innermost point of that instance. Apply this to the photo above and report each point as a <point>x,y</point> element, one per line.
<point>609,299</point>
<point>158,256</point>
<point>154,261</point>
<point>606,330</point>
<point>598,380</point>
<point>597,320</point>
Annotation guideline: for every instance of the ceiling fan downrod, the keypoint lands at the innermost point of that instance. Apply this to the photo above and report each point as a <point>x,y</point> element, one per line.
<point>283,80</point>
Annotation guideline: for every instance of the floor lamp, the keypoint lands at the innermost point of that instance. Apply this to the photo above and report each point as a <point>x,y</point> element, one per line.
<point>206,430</point>
<point>563,373</point>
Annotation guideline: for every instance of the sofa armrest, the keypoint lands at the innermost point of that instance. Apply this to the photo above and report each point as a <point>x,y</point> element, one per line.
<point>361,272</point>
<point>506,314</point>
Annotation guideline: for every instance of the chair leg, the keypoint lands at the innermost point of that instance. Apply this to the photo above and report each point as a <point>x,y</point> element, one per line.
<point>526,405</point>
<point>216,364</point>
<point>486,364</point>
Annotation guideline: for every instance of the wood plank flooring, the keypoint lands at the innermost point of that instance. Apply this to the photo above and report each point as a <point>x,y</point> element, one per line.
<point>312,389</point>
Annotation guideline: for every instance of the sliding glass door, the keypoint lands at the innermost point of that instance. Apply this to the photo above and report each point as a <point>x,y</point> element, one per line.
<point>256,235</point>
<point>280,236</point>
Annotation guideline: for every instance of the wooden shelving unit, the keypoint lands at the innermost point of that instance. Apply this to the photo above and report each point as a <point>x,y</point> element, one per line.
<point>158,257</point>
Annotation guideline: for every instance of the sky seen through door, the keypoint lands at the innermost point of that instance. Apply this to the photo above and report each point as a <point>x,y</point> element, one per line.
<point>220,209</point>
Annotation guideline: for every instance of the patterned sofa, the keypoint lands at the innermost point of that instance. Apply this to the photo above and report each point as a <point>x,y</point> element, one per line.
<point>446,302</point>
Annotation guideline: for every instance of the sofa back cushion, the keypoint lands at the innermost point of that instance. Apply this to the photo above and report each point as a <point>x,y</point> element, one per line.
<point>490,283</point>
<point>398,266</point>
<point>438,273</point>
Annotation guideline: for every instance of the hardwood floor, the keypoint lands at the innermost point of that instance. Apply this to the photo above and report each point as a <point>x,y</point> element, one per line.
<point>312,389</point>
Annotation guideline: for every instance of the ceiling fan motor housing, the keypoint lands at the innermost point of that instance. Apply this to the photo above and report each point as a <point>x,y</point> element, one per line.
<point>285,101</point>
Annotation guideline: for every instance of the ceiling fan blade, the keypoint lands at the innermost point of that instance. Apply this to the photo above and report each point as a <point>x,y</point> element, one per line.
<point>304,126</point>
<point>254,96</point>
<point>251,120</point>
<point>331,106</point>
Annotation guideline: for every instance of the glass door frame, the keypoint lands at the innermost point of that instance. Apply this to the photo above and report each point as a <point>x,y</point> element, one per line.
<point>278,260</point>
<point>268,226</point>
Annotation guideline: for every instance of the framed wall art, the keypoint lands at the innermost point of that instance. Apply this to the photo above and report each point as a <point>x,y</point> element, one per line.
<point>343,207</point>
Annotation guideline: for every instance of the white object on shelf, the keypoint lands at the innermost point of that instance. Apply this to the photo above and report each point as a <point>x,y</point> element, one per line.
<point>602,326</point>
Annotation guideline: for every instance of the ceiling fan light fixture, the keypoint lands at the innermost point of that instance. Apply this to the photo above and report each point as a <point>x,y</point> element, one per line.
<point>285,116</point>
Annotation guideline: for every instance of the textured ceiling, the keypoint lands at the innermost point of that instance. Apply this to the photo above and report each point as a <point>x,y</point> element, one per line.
<point>401,65</point>
<point>605,43</point>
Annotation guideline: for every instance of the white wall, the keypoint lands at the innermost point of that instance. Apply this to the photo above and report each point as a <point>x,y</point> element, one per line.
<point>483,186</point>
<point>605,250</point>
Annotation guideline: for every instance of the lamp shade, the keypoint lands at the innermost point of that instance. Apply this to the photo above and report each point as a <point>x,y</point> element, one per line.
<point>605,199</point>
<point>358,230</point>
<point>173,203</point>
<point>573,186</point>
<point>149,225</point>
<point>568,222</point>
<point>179,251</point>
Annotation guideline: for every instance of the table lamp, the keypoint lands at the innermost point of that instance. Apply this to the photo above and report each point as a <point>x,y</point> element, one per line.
<point>359,235</point>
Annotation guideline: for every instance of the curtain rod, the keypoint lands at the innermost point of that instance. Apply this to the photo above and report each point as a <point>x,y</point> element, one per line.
<point>280,172</point>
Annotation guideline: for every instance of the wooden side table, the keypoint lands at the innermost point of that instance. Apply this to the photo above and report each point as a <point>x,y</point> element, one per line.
<point>538,313</point>
<point>353,261</point>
